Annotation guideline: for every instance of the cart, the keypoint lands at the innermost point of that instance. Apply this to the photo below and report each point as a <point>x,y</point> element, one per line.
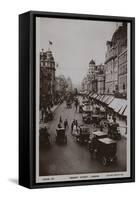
<point>61,137</point>
<point>44,137</point>
<point>83,135</point>
<point>105,150</point>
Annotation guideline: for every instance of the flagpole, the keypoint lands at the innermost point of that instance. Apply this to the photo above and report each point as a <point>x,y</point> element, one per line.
<point>49,44</point>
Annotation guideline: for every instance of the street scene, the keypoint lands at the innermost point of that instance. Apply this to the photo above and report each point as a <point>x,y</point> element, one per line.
<point>83,103</point>
<point>72,157</point>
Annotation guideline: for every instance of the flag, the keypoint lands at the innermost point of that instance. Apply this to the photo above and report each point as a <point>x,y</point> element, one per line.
<point>50,43</point>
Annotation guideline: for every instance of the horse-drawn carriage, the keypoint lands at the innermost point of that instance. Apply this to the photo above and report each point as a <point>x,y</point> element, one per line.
<point>93,139</point>
<point>82,104</point>
<point>61,137</point>
<point>114,131</point>
<point>83,134</point>
<point>87,112</point>
<point>104,149</point>
<point>69,103</point>
<point>44,136</point>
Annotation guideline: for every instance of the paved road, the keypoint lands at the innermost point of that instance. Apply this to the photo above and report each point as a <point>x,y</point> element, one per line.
<point>73,158</point>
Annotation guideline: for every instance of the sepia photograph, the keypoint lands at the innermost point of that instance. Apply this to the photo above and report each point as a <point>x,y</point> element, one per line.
<point>82,99</point>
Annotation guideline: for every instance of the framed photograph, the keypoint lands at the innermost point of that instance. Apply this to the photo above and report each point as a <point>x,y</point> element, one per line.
<point>76,99</point>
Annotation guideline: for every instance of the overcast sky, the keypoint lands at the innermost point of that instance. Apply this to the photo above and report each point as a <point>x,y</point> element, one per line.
<point>75,43</point>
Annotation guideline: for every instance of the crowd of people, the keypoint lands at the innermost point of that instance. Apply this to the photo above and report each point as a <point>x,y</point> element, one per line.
<point>64,124</point>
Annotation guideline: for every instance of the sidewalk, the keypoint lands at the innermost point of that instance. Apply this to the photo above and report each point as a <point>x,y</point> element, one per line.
<point>53,109</point>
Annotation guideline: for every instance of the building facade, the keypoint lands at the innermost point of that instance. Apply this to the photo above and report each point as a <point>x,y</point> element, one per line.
<point>116,62</point>
<point>111,66</point>
<point>69,85</point>
<point>61,85</point>
<point>91,76</point>
<point>122,74</point>
<point>84,84</point>
<point>47,79</point>
<point>94,81</point>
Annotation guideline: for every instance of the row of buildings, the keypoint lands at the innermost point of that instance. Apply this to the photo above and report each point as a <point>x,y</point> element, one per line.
<point>110,77</point>
<point>52,87</point>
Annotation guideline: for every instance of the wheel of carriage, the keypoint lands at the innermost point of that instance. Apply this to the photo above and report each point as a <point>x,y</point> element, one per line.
<point>104,123</point>
<point>104,161</point>
<point>94,125</point>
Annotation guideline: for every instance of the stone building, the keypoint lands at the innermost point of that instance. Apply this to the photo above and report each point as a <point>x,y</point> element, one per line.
<point>116,62</point>
<point>84,84</point>
<point>122,74</point>
<point>47,79</point>
<point>61,85</point>
<point>91,77</point>
<point>100,79</point>
<point>69,85</point>
<point>111,66</point>
<point>94,81</point>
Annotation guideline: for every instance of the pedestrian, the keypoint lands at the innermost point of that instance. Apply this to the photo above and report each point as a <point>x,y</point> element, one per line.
<point>66,124</point>
<point>76,122</point>
<point>101,127</point>
<point>59,125</point>
<point>76,104</point>
<point>60,119</point>
<point>114,119</point>
<point>75,130</point>
<point>72,124</point>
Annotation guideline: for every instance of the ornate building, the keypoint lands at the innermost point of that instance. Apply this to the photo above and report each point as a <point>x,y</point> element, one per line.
<point>61,85</point>
<point>47,79</point>
<point>91,76</point>
<point>94,81</point>
<point>116,62</point>
<point>84,84</point>
<point>100,79</point>
<point>122,74</point>
<point>69,85</point>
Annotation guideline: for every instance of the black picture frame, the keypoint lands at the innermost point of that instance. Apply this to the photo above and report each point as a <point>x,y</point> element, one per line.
<point>27,86</point>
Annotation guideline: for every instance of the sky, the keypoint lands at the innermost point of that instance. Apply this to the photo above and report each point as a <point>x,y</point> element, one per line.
<point>75,43</point>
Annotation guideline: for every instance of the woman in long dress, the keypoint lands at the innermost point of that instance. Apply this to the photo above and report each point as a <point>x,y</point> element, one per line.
<point>75,130</point>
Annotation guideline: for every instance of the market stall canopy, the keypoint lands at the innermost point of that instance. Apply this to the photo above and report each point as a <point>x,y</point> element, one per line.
<point>118,105</point>
<point>94,95</point>
<point>109,99</point>
<point>125,111</point>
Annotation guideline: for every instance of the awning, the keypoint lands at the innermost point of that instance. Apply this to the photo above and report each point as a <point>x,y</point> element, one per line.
<point>101,98</point>
<point>90,95</point>
<point>105,98</point>
<point>122,110</point>
<point>125,112</point>
<point>94,95</point>
<point>98,97</point>
<point>109,100</point>
<point>118,105</point>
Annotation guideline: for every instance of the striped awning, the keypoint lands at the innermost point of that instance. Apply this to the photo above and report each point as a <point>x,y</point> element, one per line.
<point>125,112</point>
<point>118,105</point>
<point>109,100</point>
<point>94,95</point>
